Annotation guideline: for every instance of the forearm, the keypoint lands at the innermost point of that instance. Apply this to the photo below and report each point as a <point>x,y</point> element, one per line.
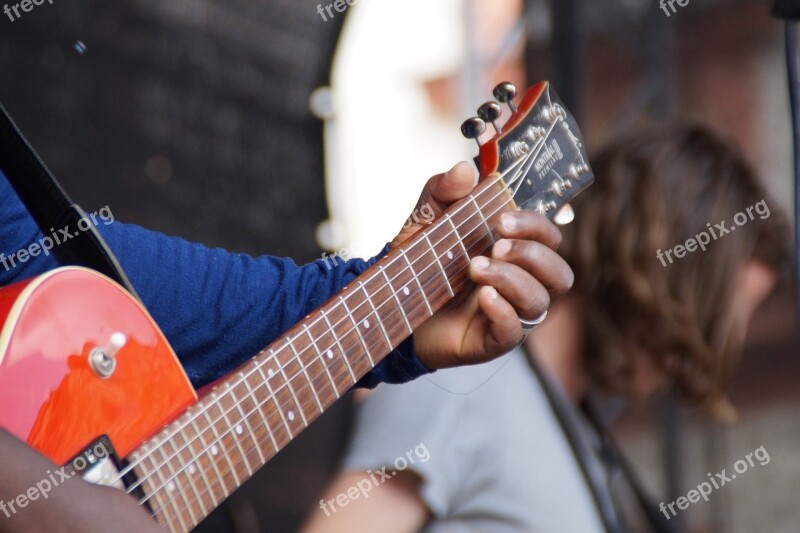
<point>34,496</point>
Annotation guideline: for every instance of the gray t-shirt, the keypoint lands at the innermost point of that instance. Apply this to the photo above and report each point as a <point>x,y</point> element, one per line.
<point>497,459</point>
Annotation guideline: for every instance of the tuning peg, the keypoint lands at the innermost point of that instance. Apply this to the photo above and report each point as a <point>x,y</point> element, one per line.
<point>473,128</point>
<point>505,93</point>
<point>490,112</point>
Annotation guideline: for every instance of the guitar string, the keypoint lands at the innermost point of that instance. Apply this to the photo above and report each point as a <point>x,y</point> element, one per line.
<point>272,397</point>
<point>184,508</point>
<point>319,356</point>
<point>332,329</point>
<point>304,368</point>
<point>244,457</point>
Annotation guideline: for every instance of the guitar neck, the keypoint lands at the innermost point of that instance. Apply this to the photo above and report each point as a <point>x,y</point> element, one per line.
<point>197,461</point>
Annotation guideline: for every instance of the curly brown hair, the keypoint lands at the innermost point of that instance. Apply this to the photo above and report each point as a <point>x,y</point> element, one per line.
<point>656,189</point>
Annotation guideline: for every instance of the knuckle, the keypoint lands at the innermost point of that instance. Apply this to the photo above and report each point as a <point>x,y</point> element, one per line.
<point>535,252</point>
<point>538,303</point>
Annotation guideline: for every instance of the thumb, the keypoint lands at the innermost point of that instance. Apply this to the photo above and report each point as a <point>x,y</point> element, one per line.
<point>452,186</point>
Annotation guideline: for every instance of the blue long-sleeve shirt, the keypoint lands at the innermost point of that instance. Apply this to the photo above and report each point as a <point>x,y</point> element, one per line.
<point>216,308</point>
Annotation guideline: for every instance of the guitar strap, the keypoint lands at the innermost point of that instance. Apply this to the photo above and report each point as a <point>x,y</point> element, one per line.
<point>790,11</point>
<point>597,477</point>
<point>648,506</point>
<point>50,206</point>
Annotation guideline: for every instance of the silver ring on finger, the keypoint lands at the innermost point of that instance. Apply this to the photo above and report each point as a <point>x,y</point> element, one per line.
<point>530,325</point>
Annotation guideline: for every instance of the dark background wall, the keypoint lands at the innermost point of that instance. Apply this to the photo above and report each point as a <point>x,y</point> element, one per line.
<point>191,118</point>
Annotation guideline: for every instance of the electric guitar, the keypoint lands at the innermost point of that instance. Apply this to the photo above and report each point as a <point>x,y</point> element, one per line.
<point>88,379</point>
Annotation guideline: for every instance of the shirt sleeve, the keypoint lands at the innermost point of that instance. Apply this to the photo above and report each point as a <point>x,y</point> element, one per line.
<point>216,308</point>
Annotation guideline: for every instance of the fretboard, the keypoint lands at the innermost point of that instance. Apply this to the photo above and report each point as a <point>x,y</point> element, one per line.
<point>197,461</point>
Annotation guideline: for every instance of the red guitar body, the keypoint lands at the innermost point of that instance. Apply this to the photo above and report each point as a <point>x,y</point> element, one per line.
<point>50,395</point>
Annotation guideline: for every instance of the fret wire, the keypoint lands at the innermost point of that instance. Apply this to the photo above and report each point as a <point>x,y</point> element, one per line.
<point>339,344</point>
<point>328,322</point>
<point>439,262</point>
<point>414,275</point>
<point>217,443</point>
<point>458,236</point>
<point>171,501</point>
<point>157,500</point>
<point>396,299</point>
<point>260,409</point>
<point>305,372</point>
<point>282,369</point>
<point>274,397</point>
<point>197,467</point>
<point>480,213</point>
<point>246,422</point>
<point>176,485</point>
<point>354,325</point>
<point>322,361</point>
<point>376,345</point>
<point>169,515</point>
<point>214,467</point>
<point>191,478</point>
<point>358,332</point>
<point>496,180</point>
<point>377,316</point>
<point>199,504</point>
<point>227,421</point>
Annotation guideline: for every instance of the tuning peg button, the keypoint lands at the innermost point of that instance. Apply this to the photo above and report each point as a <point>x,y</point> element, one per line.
<point>473,128</point>
<point>490,112</point>
<point>505,93</point>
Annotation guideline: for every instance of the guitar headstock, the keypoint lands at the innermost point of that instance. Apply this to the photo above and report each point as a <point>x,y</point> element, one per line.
<point>538,152</point>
